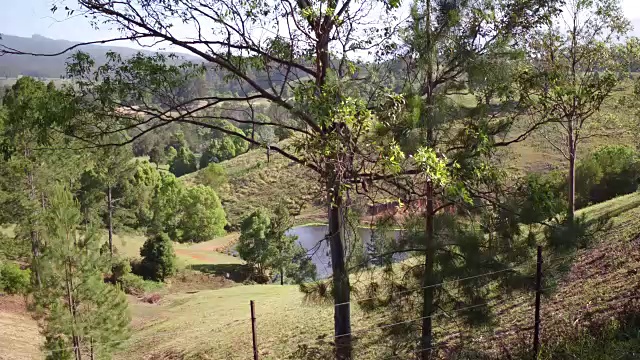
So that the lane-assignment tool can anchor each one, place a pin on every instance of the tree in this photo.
(166, 206)
(202, 216)
(30, 108)
(254, 244)
(138, 192)
(289, 256)
(574, 73)
(183, 163)
(265, 245)
(447, 49)
(114, 166)
(158, 257)
(219, 150)
(82, 312)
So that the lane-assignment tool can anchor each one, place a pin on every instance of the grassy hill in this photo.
(254, 182)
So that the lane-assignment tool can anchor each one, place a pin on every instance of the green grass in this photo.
(216, 323)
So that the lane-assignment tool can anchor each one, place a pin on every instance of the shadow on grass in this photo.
(235, 272)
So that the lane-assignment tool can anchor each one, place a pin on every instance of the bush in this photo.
(158, 258)
(119, 268)
(14, 280)
(610, 171)
(135, 285)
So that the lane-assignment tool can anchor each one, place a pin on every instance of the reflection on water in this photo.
(313, 238)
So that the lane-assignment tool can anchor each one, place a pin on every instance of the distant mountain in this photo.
(51, 66)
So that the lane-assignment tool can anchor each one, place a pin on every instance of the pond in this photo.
(313, 239)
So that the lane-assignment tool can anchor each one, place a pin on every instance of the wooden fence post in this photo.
(253, 330)
(536, 331)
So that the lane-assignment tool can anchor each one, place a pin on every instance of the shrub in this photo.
(610, 171)
(119, 268)
(135, 285)
(14, 280)
(158, 258)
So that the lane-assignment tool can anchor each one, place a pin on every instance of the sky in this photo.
(29, 17)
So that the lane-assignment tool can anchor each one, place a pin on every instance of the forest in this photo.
(429, 179)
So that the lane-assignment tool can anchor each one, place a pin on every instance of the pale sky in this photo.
(28, 17)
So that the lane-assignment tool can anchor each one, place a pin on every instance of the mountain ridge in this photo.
(12, 66)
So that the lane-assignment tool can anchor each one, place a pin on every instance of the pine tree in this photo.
(82, 312)
(27, 171)
(158, 257)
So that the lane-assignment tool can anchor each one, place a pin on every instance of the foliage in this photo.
(136, 285)
(610, 171)
(79, 307)
(223, 147)
(166, 205)
(203, 217)
(158, 258)
(541, 197)
(14, 280)
(183, 163)
(265, 245)
(254, 244)
(213, 175)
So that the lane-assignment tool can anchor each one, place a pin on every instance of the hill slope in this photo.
(254, 182)
(214, 324)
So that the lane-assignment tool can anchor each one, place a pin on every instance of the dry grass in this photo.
(20, 338)
(188, 254)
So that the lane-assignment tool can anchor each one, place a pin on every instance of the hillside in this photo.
(254, 182)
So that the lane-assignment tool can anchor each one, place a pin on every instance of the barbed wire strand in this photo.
(438, 284)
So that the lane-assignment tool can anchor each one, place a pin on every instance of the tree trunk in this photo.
(33, 233)
(571, 211)
(281, 276)
(428, 290)
(110, 219)
(341, 290)
(72, 311)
